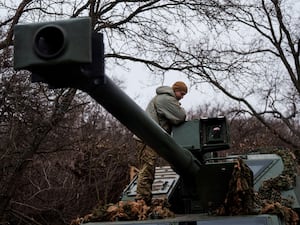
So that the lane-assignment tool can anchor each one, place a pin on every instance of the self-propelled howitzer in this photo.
(67, 54)
(56, 57)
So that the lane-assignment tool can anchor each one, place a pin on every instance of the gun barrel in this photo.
(121, 106)
(81, 66)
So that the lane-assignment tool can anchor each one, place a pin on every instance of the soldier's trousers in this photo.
(147, 160)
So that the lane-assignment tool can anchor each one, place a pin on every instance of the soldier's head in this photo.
(180, 89)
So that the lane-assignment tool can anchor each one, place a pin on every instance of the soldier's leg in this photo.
(146, 175)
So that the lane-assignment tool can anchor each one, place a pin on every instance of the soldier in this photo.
(165, 109)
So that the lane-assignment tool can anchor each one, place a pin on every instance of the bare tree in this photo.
(258, 64)
(25, 124)
(248, 50)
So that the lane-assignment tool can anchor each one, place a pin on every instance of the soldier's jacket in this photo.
(165, 109)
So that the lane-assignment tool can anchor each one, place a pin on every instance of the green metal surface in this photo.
(76, 37)
(187, 135)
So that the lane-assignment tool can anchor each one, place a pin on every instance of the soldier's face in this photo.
(179, 94)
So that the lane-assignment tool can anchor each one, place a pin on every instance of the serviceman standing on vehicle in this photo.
(165, 109)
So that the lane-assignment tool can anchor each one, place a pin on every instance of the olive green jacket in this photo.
(165, 109)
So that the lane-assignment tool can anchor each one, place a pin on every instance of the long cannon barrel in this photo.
(67, 54)
(115, 101)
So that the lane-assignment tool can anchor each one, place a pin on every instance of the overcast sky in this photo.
(140, 85)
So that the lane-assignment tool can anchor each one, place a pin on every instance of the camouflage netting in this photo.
(240, 199)
(129, 210)
(268, 199)
(270, 189)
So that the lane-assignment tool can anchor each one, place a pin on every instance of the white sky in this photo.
(140, 85)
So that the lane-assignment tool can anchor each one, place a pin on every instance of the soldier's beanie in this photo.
(180, 86)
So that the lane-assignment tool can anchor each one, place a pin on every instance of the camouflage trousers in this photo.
(147, 160)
